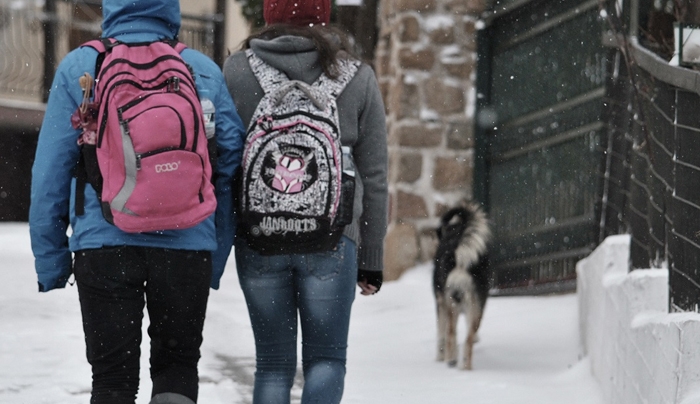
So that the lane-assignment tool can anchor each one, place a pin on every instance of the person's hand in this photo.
(369, 281)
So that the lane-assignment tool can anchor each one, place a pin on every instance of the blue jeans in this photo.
(320, 289)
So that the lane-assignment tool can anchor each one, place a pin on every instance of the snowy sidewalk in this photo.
(528, 353)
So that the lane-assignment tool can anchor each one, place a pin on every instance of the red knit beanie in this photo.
(297, 12)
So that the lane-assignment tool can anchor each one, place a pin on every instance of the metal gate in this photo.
(540, 90)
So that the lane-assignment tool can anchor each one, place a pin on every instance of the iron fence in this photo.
(653, 167)
(28, 29)
(589, 142)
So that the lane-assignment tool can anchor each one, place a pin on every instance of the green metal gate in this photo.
(540, 91)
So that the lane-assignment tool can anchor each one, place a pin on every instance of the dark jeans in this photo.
(112, 285)
(318, 288)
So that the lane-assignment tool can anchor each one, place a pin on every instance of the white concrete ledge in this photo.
(639, 352)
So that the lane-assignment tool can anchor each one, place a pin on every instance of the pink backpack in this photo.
(152, 169)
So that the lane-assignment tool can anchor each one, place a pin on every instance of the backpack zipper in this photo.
(103, 122)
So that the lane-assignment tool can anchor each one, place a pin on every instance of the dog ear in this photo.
(438, 231)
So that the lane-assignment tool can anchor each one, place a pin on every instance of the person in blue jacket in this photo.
(115, 271)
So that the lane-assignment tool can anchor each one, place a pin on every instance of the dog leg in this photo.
(468, 350)
(473, 322)
(441, 326)
(451, 337)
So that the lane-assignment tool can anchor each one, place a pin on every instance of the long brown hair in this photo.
(331, 43)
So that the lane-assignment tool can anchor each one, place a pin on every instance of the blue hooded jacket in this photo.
(52, 207)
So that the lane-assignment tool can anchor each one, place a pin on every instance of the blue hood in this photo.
(160, 17)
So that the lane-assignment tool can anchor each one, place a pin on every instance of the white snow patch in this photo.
(528, 352)
(436, 22)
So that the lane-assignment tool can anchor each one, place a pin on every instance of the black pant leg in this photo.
(111, 290)
(177, 291)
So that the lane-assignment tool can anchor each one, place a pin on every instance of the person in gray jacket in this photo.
(319, 287)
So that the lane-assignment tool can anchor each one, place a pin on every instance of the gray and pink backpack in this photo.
(147, 156)
(296, 186)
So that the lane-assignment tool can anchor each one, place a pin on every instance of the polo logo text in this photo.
(167, 167)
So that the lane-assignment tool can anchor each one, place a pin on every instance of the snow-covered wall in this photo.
(639, 352)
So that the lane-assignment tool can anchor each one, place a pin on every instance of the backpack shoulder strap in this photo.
(96, 44)
(102, 46)
(271, 78)
(179, 46)
(347, 68)
(268, 77)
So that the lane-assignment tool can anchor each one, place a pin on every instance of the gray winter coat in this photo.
(362, 126)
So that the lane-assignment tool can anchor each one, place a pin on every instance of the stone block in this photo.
(461, 70)
(428, 242)
(386, 10)
(440, 209)
(442, 98)
(442, 35)
(416, 5)
(473, 7)
(422, 59)
(469, 28)
(382, 64)
(409, 28)
(394, 156)
(384, 89)
(400, 250)
(419, 135)
(453, 173)
(460, 135)
(410, 206)
(404, 100)
(410, 167)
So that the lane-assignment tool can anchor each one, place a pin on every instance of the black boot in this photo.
(170, 398)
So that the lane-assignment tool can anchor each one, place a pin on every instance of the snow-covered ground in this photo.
(529, 350)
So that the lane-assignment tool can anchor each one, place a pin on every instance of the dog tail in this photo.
(474, 242)
(454, 222)
(459, 284)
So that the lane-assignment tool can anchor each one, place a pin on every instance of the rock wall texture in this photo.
(425, 62)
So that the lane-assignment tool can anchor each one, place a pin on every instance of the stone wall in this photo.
(425, 62)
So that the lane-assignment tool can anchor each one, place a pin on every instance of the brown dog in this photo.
(461, 279)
